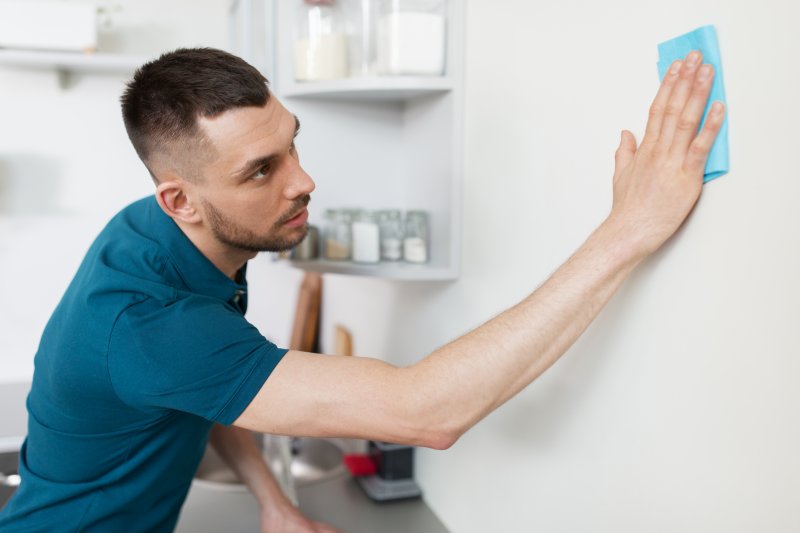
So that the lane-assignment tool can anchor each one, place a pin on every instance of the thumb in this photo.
(624, 154)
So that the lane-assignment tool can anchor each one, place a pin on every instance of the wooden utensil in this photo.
(342, 341)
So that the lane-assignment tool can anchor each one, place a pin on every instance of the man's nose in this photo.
(300, 183)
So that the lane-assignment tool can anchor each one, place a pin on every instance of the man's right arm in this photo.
(434, 401)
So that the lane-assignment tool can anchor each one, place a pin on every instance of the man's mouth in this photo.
(298, 220)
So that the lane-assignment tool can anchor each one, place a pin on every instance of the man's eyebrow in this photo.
(255, 164)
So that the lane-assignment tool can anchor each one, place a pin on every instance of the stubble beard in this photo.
(228, 232)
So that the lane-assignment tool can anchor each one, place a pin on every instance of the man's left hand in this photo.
(286, 518)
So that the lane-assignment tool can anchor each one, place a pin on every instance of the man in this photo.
(149, 346)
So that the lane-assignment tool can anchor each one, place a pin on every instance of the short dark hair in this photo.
(161, 104)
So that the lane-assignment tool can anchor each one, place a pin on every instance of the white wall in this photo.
(66, 166)
(678, 409)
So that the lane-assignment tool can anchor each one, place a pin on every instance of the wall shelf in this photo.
(389, 88)
(72, 61)
(395, 271)
(68, 63)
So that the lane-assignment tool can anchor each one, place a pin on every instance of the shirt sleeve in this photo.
(195, 355)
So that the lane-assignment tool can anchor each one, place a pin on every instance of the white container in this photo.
(322, 58)
(63, 26)
(411, 37)
(366, 239)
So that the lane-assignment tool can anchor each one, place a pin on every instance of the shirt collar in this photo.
(195, 270)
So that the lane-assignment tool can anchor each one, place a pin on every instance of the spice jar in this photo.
(321, 43)
(415, 243)
(391, 225)
(308, 248)
(411, 37)
(338, 237)
(366, 238)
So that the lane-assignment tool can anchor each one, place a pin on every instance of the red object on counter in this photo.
(360, 465)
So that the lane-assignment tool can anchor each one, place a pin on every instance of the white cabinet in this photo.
(377, 142)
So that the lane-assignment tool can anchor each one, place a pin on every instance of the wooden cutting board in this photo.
(305, 331)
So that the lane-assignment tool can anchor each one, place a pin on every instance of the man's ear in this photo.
(171, 195)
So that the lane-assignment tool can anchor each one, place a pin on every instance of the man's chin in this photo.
(288, 243)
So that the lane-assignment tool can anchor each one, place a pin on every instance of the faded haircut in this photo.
(165, 97)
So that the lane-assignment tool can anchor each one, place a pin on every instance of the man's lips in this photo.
(298, 220)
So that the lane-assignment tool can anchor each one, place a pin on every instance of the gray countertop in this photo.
(338, 501)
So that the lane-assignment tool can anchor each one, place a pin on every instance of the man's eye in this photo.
(261, 173)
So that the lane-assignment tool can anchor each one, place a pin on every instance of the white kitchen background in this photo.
(678, 410)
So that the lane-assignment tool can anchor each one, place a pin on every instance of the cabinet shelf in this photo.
(395, 271)
(381, 88)
(378, 142)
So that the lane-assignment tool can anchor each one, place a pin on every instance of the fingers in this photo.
(660, 102)
(692, 114)
(698, 151)
(321, 527)
(678, 98)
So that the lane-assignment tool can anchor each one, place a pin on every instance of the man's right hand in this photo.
(656, 185)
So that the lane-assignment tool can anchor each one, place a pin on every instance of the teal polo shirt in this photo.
(146, 350)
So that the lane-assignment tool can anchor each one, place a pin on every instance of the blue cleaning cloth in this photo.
(705, 40)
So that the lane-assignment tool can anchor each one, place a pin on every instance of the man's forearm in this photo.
(239, 451)
(278, 513)
(476, 373)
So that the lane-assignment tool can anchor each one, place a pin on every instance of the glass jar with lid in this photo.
(361, 17)
(338, 236)
(415, 243)
(410, 36)
(391, 225)
(321, 42)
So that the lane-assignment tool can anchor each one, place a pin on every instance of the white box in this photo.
(48, 25)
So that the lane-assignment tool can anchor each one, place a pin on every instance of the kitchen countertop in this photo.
(338, 501)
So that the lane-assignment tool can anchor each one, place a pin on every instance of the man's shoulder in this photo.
(127, 255)
(138, 215)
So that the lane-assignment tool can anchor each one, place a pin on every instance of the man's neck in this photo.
(229, 260)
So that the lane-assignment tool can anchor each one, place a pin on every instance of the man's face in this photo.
(254, 192)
